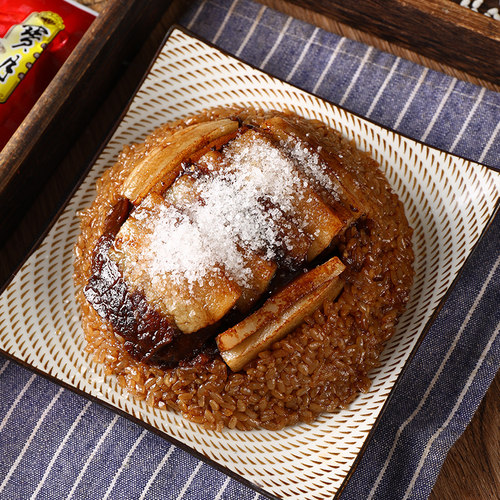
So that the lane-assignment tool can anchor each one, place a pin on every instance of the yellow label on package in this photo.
(22, 46)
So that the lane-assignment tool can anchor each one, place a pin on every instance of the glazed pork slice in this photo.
(292, 245)
(142, 253)
(148, 335)
(185, 193)
(305, 205)
(339, 188)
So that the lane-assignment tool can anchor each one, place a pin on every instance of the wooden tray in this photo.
(69, 102)
(439, 34)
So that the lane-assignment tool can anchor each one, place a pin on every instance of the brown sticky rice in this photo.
(320, 366)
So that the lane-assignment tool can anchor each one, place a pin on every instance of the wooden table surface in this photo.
(471, 469)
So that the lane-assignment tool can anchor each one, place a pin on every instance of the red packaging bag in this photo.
(36, 37)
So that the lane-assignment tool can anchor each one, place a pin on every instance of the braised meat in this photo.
(149, 335)
(205, 224)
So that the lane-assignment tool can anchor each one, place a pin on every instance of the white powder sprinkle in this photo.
(311, 164)
(238, 211)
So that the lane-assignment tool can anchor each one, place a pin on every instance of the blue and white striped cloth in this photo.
(55, 444)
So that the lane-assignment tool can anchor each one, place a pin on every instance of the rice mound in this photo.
(325, 362)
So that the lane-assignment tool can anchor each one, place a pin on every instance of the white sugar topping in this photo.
(311, 164)
(238, 211)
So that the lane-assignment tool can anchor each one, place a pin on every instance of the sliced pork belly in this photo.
(305, 205)
(145, 256)
(329, 176)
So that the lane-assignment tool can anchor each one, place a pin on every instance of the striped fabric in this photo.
(55, 444)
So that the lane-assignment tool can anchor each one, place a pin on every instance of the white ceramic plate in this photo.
(448, 201)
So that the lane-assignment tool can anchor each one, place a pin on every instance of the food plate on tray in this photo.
(448, 202)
